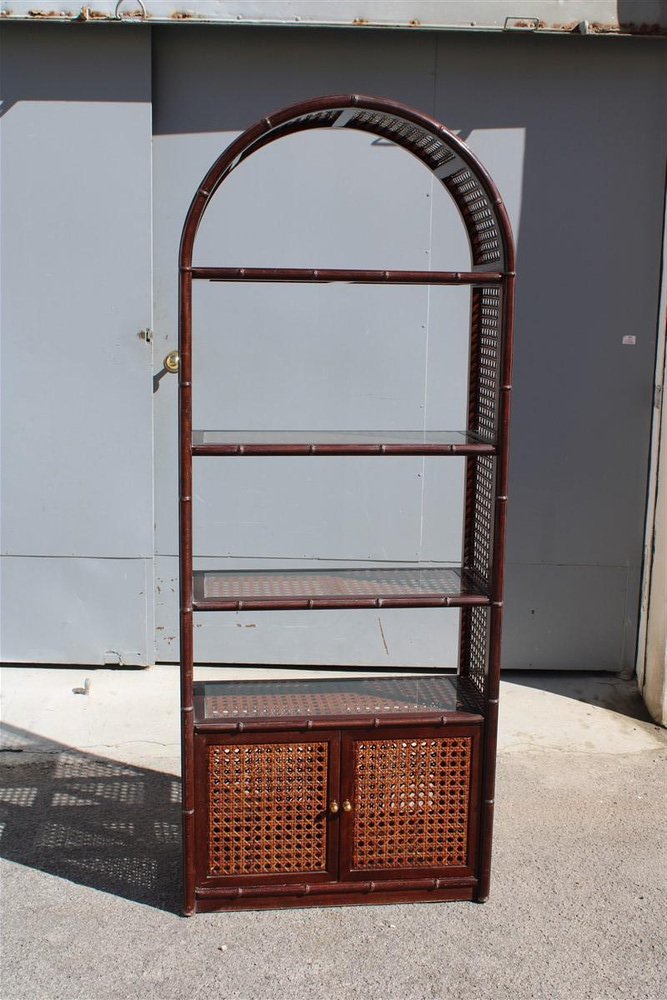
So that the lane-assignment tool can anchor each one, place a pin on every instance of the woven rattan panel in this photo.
(477, 628)
(485, 354)
(267, 808)
(411, 802)
(275, 699)
(336, 583)
(483, 510)
(425, 144)
(487, 381)
(478, 216)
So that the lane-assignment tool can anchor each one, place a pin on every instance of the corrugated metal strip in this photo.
(595, 17)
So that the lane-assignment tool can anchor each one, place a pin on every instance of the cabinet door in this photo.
(262, 812)
(409, 802)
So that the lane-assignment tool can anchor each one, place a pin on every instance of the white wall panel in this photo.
(76, 375)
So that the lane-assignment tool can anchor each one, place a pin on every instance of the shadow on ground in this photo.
(604, 690)
(97, 822)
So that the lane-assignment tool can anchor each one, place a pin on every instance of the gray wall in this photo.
(573, 132)
(77, 517)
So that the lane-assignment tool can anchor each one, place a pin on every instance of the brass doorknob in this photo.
(333, 807)
(172, 362)
(347, 806)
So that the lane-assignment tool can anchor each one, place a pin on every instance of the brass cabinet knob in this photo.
(333, 807)
(172, 362)
(347, 806)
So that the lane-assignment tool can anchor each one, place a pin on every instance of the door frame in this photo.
(347, 872)
(202, 743)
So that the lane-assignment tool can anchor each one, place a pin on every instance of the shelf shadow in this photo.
(96, 822)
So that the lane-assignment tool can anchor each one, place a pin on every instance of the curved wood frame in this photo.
(492, 249)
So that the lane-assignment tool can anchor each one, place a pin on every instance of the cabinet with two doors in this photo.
(318, 791)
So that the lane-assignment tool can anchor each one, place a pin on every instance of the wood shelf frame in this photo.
(491, 279)
(236, 444)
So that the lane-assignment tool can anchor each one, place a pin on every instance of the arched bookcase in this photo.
(324, 792)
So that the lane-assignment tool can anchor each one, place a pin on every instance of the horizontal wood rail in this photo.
(355, 276)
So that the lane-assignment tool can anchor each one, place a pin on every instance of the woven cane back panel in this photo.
(480, 554)
(320, 117)
(476, 642)
(489, 354)
(411, 802)
(485, 354)
(477, 214)
(480, 502)
(483, 419)
(267, 808)
(342, 697)
(410, 582)
(425, 144)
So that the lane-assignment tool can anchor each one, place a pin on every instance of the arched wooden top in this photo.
(447, 157)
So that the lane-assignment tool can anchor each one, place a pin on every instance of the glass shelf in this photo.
(332, 442)
(349, 697)
(402, 586)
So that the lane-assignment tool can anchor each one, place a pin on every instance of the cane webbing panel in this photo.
(411, 802)
(430, 146)
(483, 502)
(408, 586)
(477, 625)
(487, 322)
(267, 808)
(477, 214)
(324, 583)
(483, 419)
(349, 696)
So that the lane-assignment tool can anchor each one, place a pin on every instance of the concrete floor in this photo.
(91, 870)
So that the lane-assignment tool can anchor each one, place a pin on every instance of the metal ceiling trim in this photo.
(576, 17)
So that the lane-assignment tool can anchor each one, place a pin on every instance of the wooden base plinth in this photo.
(352, 896)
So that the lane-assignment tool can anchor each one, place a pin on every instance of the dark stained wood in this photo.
(378, 702)
(342, 449)
(386, 587)
(300, 725)
(313, 114)
(338, 884)
(486, 452)
(186, 586)
(328, 275)
(327, 604)
(349, 895)
(339, 888)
